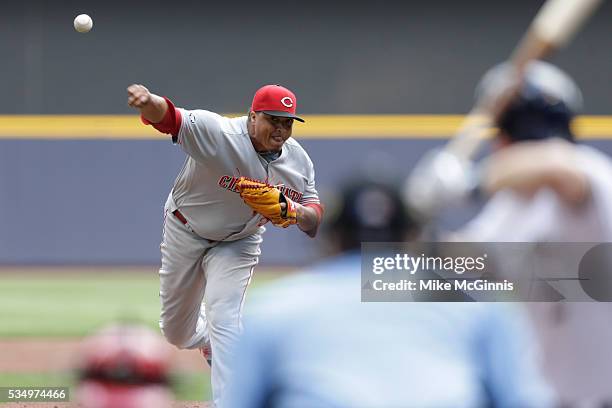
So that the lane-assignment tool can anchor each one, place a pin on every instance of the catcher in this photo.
(124, 365)
(211, 234)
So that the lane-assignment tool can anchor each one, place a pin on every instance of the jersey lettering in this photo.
(229, 183)
(224, 180)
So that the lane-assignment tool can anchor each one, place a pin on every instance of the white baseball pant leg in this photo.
(195, 272)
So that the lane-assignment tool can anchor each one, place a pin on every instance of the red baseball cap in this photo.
(275, 100)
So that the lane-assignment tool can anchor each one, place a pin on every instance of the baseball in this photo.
(83, 23)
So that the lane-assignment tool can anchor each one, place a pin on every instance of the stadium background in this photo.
(82, 183)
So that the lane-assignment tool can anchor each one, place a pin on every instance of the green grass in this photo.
(192, 386)
(36, 379)
(71, 305)
(68, 306)
(186, 386)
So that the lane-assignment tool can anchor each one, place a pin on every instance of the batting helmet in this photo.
(545, 105)
(124, 366)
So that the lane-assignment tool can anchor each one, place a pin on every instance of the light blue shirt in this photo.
(309, 341)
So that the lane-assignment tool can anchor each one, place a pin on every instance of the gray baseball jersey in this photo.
(219, 152)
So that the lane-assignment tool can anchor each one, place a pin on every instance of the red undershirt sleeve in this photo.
(170, 124)
(318, 208)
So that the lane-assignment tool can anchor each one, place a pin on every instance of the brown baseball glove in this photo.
(266, 200)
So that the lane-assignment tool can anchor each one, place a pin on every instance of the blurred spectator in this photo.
(311, 342)
(124, 366)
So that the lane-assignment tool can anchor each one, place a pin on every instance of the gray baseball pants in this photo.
(196, 272)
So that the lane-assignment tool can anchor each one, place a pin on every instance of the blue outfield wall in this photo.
(101, 202)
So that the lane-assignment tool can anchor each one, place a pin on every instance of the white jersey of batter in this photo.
(575, 337)
(219, 151)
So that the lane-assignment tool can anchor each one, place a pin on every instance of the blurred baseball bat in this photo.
(554, 26)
